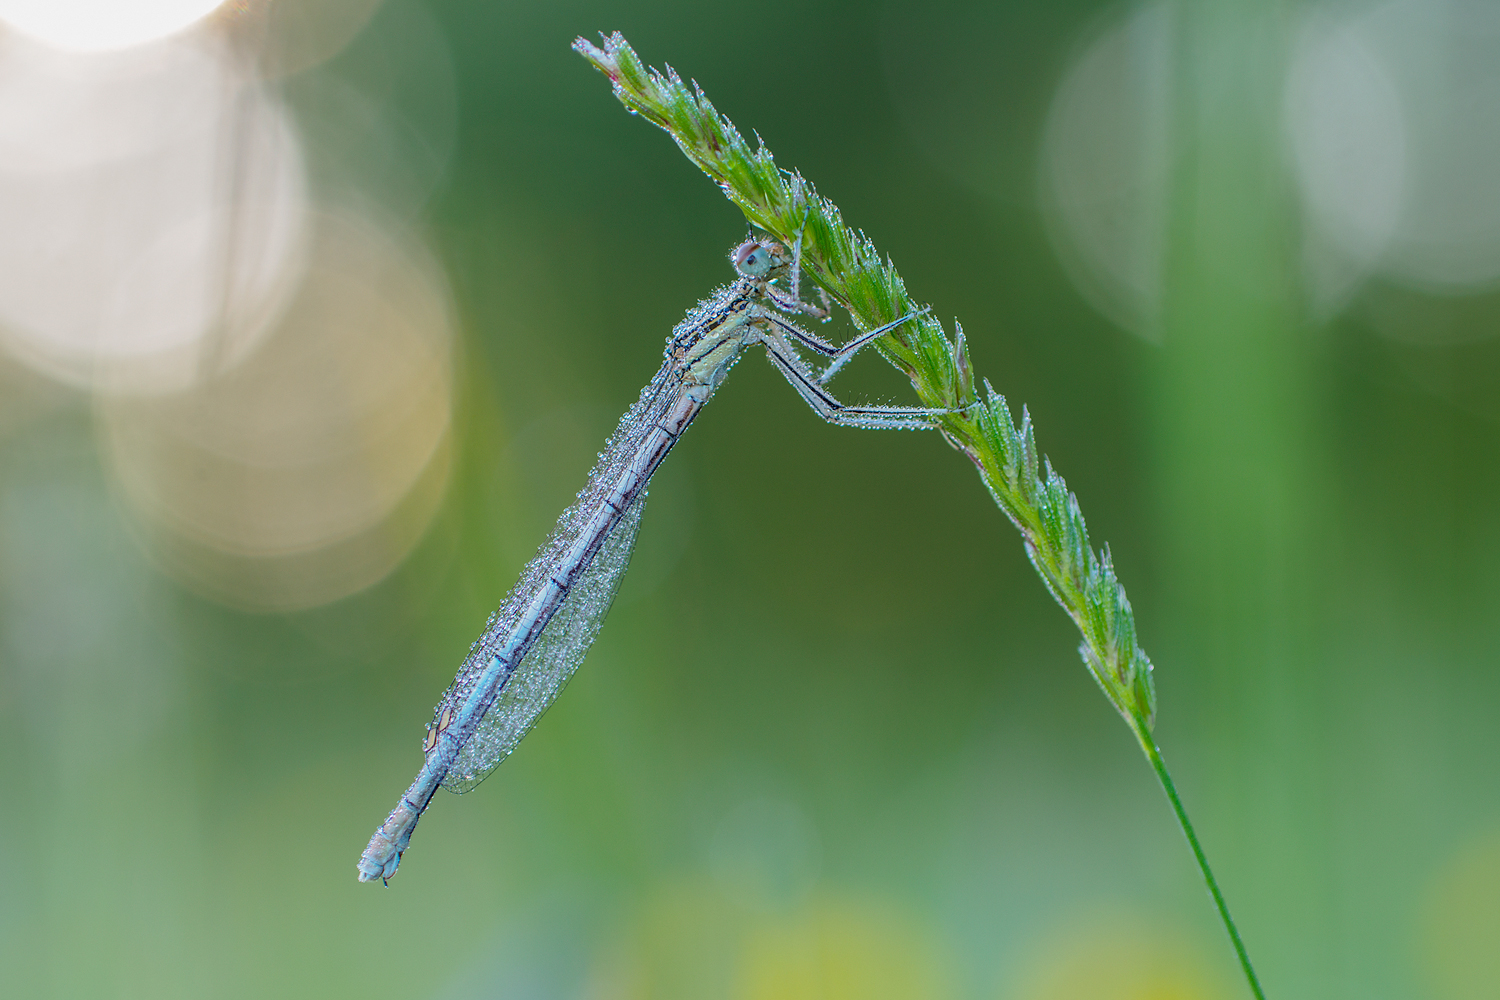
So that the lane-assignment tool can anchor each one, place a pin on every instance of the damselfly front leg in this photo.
(822, 315)
(791, 300)
(837, 355)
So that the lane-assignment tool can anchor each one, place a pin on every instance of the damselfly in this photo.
(538, 637)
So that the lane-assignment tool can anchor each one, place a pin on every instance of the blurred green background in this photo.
(300, 357)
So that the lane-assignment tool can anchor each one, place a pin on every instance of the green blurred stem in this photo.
(1153, 753)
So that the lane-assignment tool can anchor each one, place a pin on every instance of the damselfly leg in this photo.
(838, 355)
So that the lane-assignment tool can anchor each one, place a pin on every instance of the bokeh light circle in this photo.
(308, 471)
(1347, 136)
(287, 37)
(1394, 119)
(101, 25)
(1105, 164)
(1441, 56)
(153, 206)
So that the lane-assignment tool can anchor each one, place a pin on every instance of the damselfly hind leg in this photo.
(827, 406)
(791, 300)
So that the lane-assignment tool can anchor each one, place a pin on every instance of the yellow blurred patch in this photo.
(1459, 923)
(841, 949)
(1115, 956)
(691, 941)
(680, 943)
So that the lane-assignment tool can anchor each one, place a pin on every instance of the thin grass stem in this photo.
(1153, 753)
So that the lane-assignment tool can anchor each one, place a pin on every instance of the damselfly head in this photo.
(756, 258)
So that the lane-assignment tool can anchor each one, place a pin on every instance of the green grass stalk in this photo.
(1023, 484)
(1153, 753)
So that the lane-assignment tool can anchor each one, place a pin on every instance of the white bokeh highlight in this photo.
(1105, 164)
(1441, 59)
(102, 25)
(153, 204)
(1347, 139)
(308, 471)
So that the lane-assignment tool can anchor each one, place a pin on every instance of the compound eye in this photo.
(752, 259)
